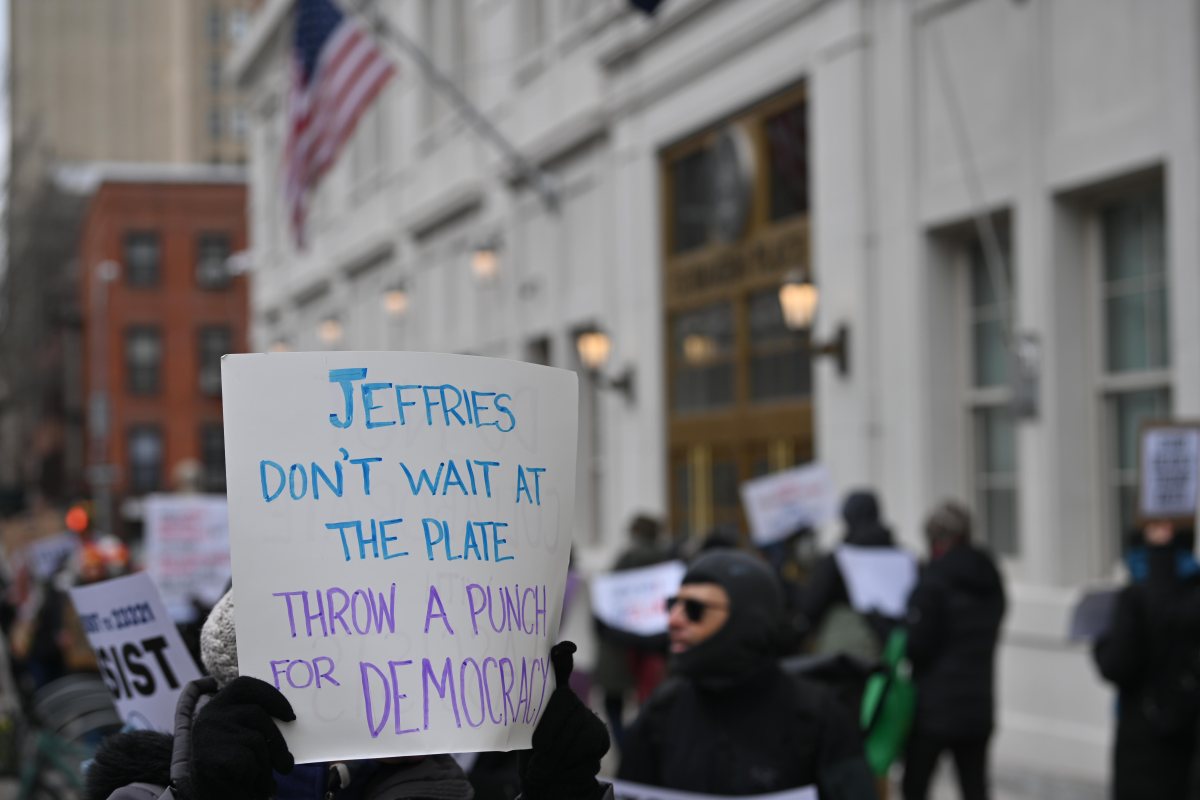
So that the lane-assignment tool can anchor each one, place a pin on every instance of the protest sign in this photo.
(187, 549)
(47, 555)
(634, 600)
(624, 790)
(1169, 471)
(143, 661)
(877, 578)
(780, 504)
(400, 525)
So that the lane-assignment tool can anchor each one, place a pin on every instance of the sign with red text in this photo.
(400, 526)
(780, 504)
(187, 550)
(141, 656)
(635, 600)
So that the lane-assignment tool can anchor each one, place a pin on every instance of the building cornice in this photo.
(83, 177)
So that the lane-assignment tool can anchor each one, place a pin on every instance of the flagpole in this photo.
(542, 182)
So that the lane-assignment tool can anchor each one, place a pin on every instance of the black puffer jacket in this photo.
(954, 617)
(1151, 653)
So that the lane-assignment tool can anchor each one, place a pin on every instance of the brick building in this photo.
(161, 302)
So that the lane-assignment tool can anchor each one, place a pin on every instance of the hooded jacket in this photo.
(954, 617)
(729, 721)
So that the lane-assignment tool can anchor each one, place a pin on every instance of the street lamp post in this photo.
(100, 473)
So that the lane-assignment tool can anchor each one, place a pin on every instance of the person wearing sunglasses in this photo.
(729, 720)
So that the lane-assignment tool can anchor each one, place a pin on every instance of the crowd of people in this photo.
(758, 685)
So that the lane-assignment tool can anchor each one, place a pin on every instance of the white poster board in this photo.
(49, 554)
(778, 505)
(187, 549)
(635, 600)
(400, 526)
(624, 790)
(142, 659)
(1169, 474)
(877, 578)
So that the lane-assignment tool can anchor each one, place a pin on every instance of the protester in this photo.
(626, 662)
(953, 626)
(227, 747)
(825, 605)
(1151, 653)
(729, 720)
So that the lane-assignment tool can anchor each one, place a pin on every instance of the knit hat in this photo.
(218, 642)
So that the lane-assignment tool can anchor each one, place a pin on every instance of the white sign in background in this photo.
(634, 600)
(1170, 468)
(624, 790)
(142, 659)
(779, 504)
(400, 525)
(187, 549)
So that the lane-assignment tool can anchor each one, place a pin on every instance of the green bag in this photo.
(888, 704)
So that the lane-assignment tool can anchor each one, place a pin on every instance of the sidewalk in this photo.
(1012, 784)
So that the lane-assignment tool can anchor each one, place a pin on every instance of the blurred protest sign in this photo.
(877, 578)
(142, 659)
(778, 505)
(400, 526)
(635, 600)
(1168, 471)
(47, 555)
(187, 549)
(624, 790)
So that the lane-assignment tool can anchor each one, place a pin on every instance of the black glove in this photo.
(568, 742)
(235, 744)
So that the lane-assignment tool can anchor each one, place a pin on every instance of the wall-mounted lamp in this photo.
(485, 260)
(395, 301)
(798, 299)
(594, 347)
(330, 331)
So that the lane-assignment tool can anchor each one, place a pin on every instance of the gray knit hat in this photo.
(218, 642)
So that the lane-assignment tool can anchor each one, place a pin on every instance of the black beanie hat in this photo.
(860, 508)
(752, 635)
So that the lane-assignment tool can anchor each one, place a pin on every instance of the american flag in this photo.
(336, 72)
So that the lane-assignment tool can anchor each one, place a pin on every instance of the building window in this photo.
(691, 202)
(787, 157)
(703, 358)
(237, 124)
(215, 78)
(214, 123)
(143, 359)
(214, 25)
(212, 255)
(145, 458)
(239, 23)
(994, 434)
(779, 364)
(1136, 359)
(214, 341)
(142, 258)
(212, 456)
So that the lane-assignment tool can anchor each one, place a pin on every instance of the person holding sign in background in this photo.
(729, 721)
(1151, 654)
(228, 747)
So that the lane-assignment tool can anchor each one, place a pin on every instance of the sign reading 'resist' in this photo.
(400, 526)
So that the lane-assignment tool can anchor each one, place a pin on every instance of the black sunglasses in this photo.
(693, 609)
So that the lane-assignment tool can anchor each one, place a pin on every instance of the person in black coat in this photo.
(1151, 653)
(729, 721)
(954, 617)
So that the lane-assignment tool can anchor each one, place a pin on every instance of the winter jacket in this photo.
(769, 733)
(1151, 653)
(954, 617)
(826, 589)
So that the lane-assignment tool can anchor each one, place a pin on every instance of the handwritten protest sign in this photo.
(635, 600)
(187, 549)
(143, 661)
(778, 505)
(46, 556)
(1169, 471)
(624, 790)
(400, 525)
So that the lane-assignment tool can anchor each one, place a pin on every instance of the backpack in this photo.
(844, 630)
(889, 702)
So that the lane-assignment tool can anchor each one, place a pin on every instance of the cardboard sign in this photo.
(624, 790)
(400, 526)
(1169, 471)
(142, 660)
(635, 600)
(778, 505)
(187, 549)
